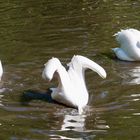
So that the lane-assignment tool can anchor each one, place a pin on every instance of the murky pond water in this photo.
(31, 32)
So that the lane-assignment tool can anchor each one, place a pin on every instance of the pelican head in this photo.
(129, 41)
(71, 89)
(50, 67)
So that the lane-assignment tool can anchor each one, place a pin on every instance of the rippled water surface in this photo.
(31, 32)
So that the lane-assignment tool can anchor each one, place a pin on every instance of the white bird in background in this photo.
(129, 41)
(1, 70)
(71, 89)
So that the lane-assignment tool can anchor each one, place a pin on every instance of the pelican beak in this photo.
(104, 74)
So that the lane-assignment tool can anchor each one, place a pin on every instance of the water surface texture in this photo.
(31, 32)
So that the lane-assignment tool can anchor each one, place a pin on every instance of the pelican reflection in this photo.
(133, 76)
(73, 122)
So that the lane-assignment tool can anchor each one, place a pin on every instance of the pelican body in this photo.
(71, 89)
(129, 41)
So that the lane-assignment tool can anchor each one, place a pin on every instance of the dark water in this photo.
(31, 32)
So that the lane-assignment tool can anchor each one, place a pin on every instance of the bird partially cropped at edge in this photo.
(71, 89)
(129, 41)
(1, 70)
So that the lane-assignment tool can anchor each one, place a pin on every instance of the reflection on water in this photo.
(0, 100)
(132, 76)
(75, 123)
(74, 126)
(2, 90)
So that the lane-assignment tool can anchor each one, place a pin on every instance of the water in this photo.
(34, 31)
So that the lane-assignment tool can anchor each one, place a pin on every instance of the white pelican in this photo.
(1, 70)
(129, 41)
(71, 89)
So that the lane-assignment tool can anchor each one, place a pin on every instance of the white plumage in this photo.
(129, 41)
(71, 89)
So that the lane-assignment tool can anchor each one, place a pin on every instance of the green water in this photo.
(31, 32)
